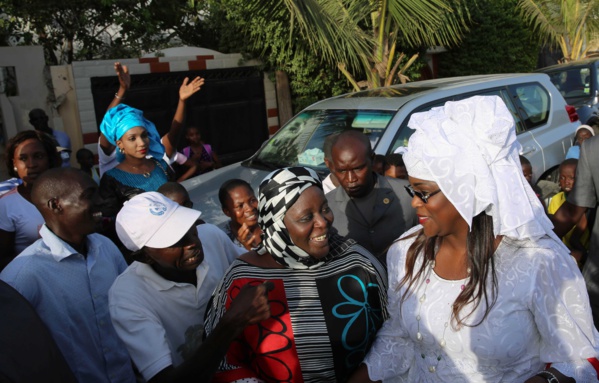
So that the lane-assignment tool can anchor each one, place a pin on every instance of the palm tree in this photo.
(362, 37)
(573, 25)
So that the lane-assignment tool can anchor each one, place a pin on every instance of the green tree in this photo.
(572, 25)
(229, 29)
(57, 25)
(89, 29)
(498, 42)
(363, 38)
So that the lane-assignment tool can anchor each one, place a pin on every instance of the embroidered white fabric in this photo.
(469, 149)
(542, 315)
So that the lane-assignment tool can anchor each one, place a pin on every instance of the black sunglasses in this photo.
(423, 196)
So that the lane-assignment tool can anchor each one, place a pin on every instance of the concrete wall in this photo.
(67, 106)
(32, 79)
(33, 92)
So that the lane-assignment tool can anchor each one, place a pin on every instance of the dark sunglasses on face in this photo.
(424, 196)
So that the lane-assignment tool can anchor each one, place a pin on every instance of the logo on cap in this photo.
(157, 208)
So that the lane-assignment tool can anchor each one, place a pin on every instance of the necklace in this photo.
(419, 337)
(148, 174)
(136, 168)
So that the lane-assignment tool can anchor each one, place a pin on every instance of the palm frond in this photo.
(569, 24)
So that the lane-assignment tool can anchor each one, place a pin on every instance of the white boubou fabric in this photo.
(469, 149)
(541, 316)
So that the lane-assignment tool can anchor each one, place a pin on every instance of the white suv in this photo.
(544, 123)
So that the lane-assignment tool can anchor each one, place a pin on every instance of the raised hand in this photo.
(123, 74)
(245, 236)
(188, 88)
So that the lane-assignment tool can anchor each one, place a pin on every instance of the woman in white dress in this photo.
(481, 290)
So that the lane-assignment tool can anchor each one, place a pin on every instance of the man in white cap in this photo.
(157, 305)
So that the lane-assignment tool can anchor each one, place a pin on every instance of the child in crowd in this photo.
(527, 171)
(394, 166)
(85, 159)
(583, 133)
(576, 239)
(201, 153)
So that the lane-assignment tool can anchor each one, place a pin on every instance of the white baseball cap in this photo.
(151, 219)
(587, 127)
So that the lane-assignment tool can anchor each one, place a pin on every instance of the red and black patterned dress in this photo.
(323, 320)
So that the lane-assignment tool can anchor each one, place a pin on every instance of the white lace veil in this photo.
(469, 149)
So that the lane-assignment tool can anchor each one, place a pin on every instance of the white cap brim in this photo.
(171, 230)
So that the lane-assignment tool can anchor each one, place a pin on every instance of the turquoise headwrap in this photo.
(118, 120)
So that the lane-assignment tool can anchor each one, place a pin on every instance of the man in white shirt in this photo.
(157, 305)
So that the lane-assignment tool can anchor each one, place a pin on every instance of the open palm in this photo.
(188, 88)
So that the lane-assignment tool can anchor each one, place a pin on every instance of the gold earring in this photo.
(15, 169)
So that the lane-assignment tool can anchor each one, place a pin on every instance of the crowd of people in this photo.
(438, 263)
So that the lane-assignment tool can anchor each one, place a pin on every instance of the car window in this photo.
(532, 100)
(573, 83)
(403, 135)
(301, 141)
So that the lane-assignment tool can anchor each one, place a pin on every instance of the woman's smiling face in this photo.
(309, 221)
(242, 206)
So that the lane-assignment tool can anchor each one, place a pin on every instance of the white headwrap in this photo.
(469, 149)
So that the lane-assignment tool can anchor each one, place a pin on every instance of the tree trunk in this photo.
(283, 97)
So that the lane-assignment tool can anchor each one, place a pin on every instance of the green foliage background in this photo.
(231, 28)
(498, 42)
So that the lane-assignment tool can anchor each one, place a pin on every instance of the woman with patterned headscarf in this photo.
(482, 290)
(141, 165)
(329, 296)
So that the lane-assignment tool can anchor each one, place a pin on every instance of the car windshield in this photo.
(573, 83)
(300, 142)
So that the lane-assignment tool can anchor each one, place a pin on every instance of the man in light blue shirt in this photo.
(66, 276)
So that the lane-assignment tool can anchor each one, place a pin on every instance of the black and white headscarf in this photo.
(277, 193)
